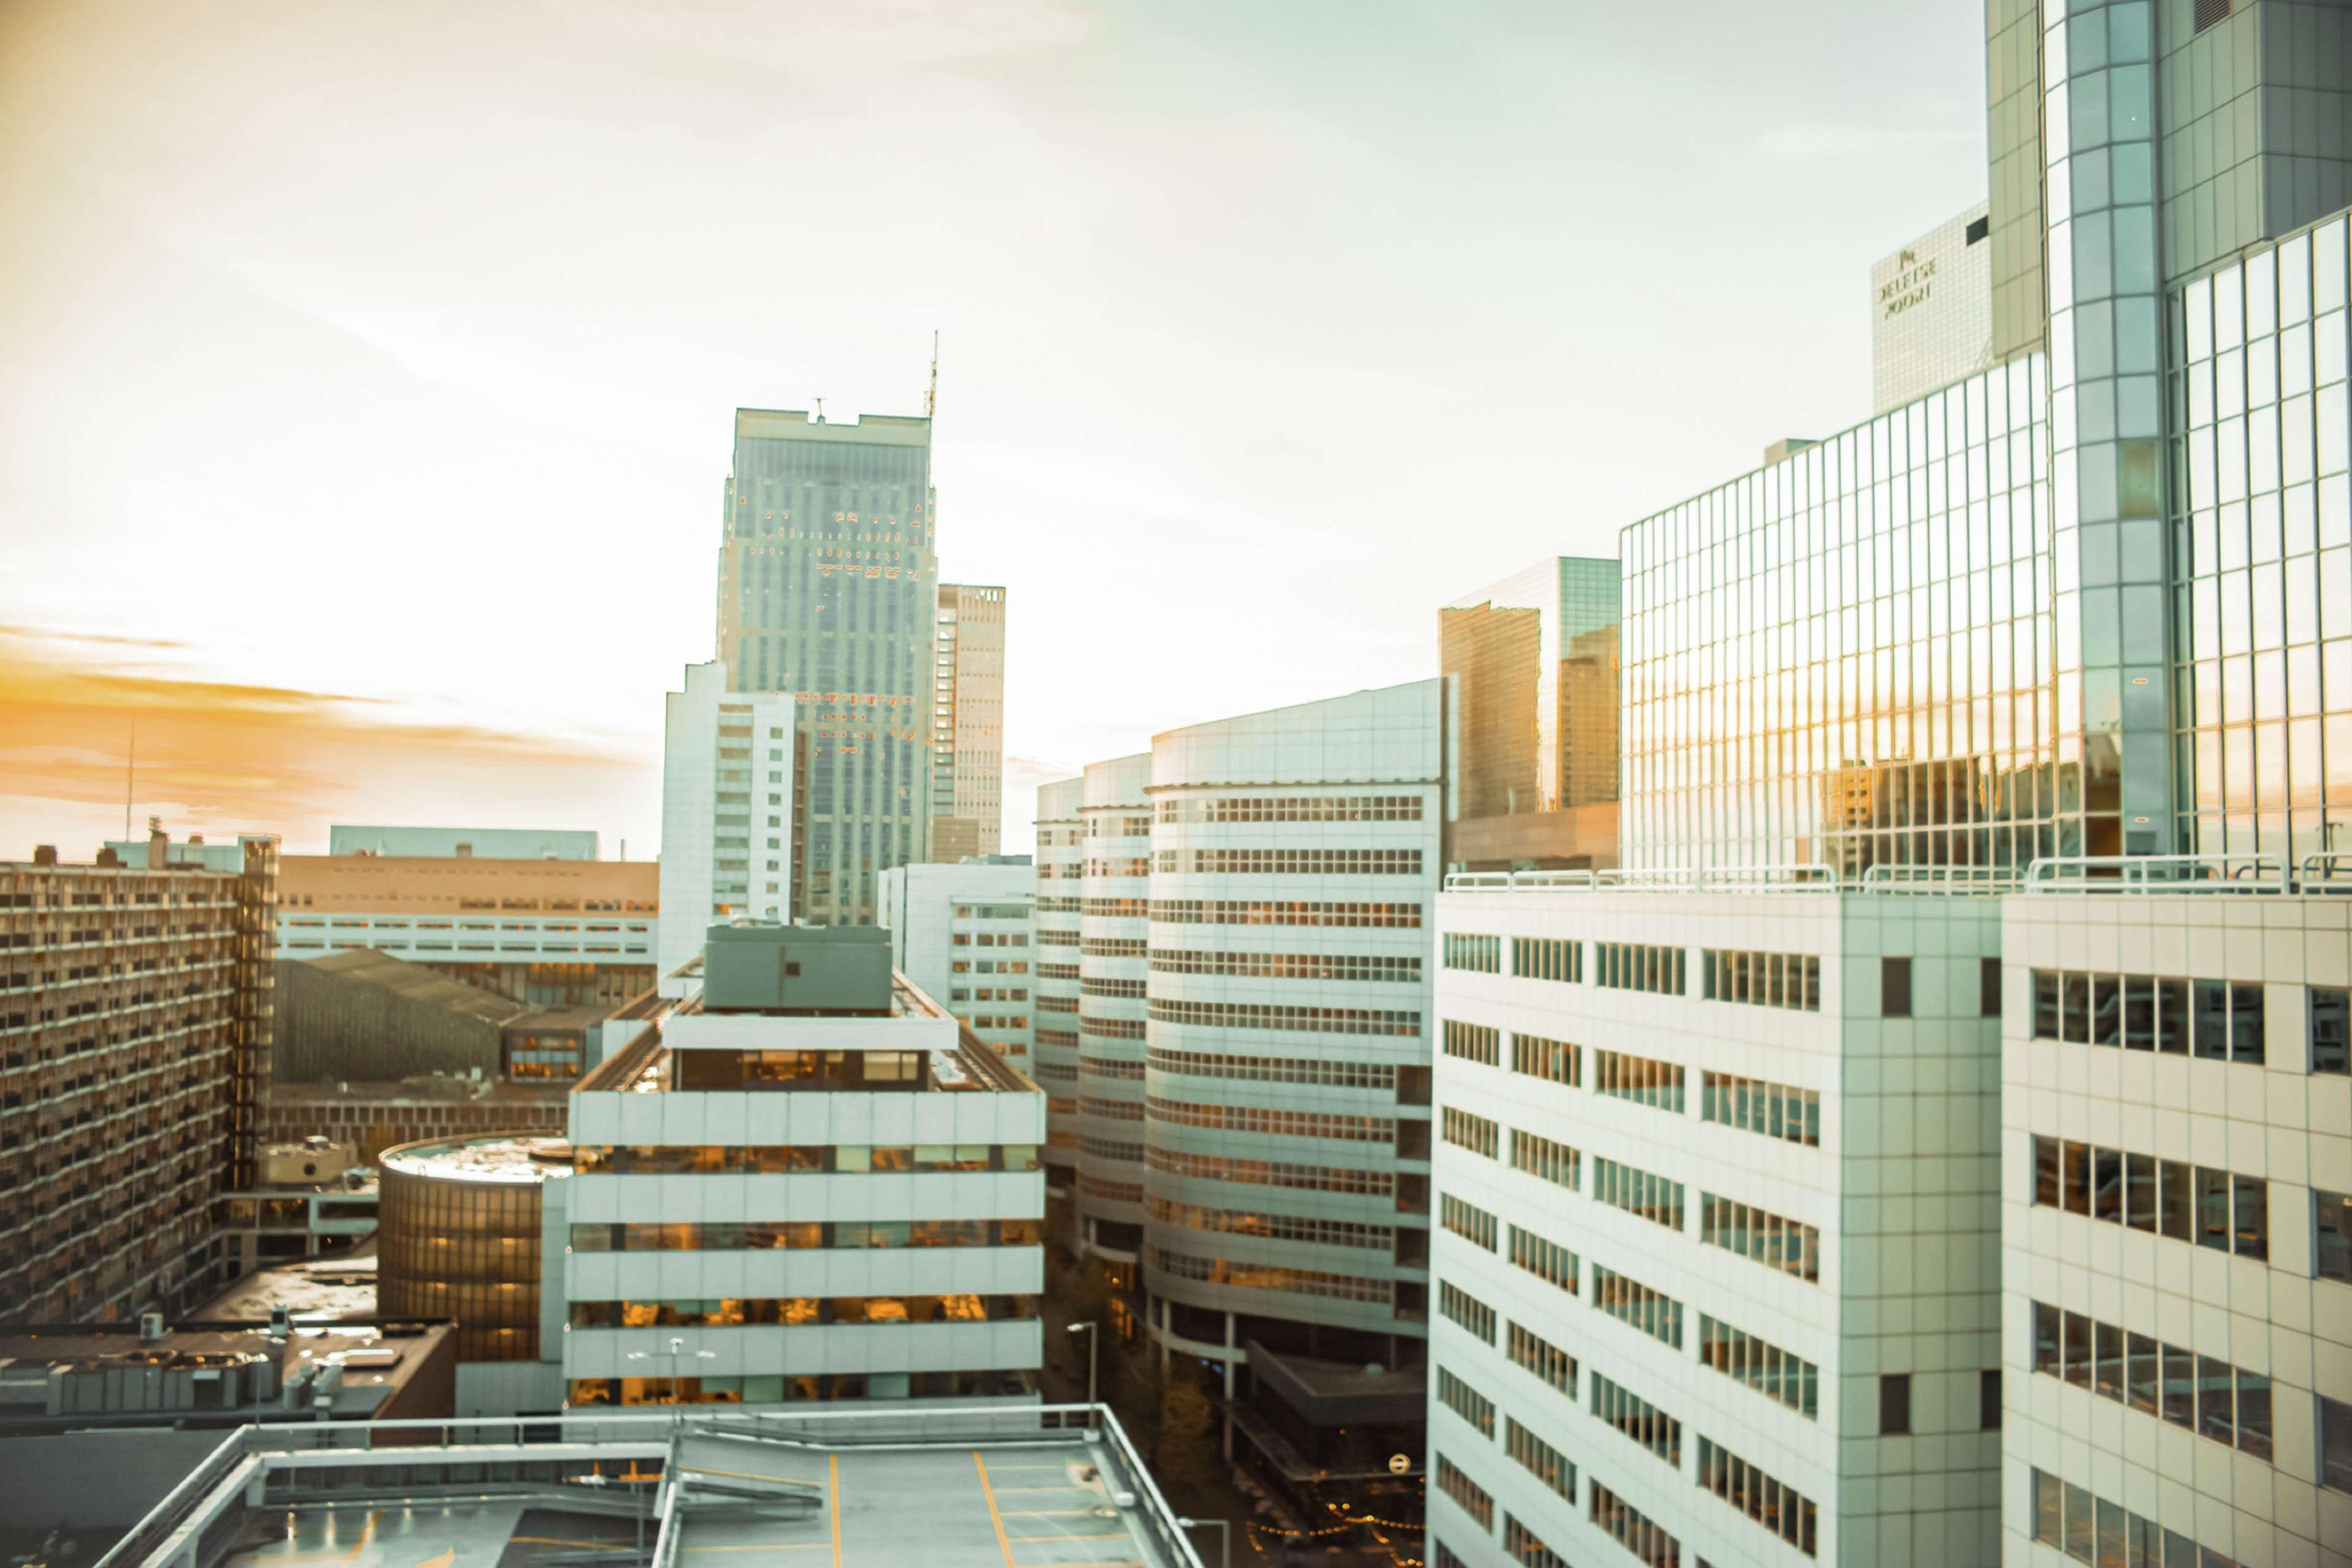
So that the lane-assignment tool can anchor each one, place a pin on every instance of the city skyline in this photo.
(383, 320)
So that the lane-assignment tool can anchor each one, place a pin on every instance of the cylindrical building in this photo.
(1118, 900)
(1061, 868)
(1296, 855)
(457, 1234)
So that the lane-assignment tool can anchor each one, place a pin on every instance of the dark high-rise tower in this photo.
(827, 583)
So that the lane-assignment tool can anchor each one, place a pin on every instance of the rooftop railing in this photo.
(1794, 877)
(2326, 871)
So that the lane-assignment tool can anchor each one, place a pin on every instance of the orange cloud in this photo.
(221, 756)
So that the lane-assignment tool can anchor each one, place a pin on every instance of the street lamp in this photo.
(1225, 1529)
(1093, 1343)
(676, 1352)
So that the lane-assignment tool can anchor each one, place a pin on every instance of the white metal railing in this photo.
(2250, 873)
(1806, 877)
(1887, 878)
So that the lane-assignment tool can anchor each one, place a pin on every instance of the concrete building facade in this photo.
(966, 935)
(1113, 971)
(1061, 873)
(135, 1036)
(729, 831)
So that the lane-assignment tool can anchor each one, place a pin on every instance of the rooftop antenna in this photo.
(130, 773)
(932, 398)
(820, 409)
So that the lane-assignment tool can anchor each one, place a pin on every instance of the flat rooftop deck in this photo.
(989, 1506)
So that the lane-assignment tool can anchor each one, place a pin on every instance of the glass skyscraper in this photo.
(828, 577)
(1535, 658)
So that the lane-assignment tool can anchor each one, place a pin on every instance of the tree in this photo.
(1186, 1450)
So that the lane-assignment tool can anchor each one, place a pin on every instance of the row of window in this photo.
(1790, 1246)
(1556, 1061)
(1338, 1125)
(1540, 1458)
(732, 1312)
(1107, 1067)
(1465, 1402)
(1539, 1157)
(1112, 946)
(1645, 1080)
(1270, 1173)
(799, 1235)
(1293, 808)
(1459, 1307)
(1111, 1110)
(1479, 954)
(1107, 1028)
(1271, 1276)
(2226, 1212)
(1131, 989)
(1296, 1019)
(1467, 1494)
(1634, 1529)
(1547, 1260)
(1778, 1508)
(1779, 1375)
(1274, 912)
(1480, 1043)
(1476, 1133)
(1471, 1223)
(2219, 1020)
(2196, 1393)
(1655, 1431)
(1300, 862)
(2091, 1529)
(1790, 980)
(1637, 1192)
(1639, 966)
(1637, 1306)
(1276, 1070)
(1554, 958)
(675, 1159)
(1774, 1110)
(1341, 967)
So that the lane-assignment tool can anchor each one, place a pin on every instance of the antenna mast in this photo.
(130, 773)
(932, 398)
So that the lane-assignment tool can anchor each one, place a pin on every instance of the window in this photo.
(1481, 1043)
(1467, 1493)
(1641, 1079)
(1552, 1365)
(1791, 980)
(1638, 1192)
(2335, 1444)
(1787, 1245)
(2090, 1530)
(2331, 1029)
(1768, 1370)
(1475, 1133)
(1468, 1221)
(2219, 1209)
(1547, 958)
(1776, 1505)
(1554, 1062)
(1774, 1110)
(1539, 1157)
(1988, 1399)
(1481, 954)
(2216, 1019)
(1894, 987)
(2228, 1405)
(1547, 1260)
(1630, 1302)
(1542, 1460)
(1459, 1306)
(1894, 1405)
(1636, 966)
(2334, 1254)
(1465, 1402)
(1657, 1431)
(1988, 987)
(1632, 1529)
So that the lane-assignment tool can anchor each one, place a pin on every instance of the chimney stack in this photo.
(44, 854)
(158, 845)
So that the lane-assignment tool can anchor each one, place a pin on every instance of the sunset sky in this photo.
(366, 371)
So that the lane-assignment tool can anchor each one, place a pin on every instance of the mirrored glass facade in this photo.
(2262, 547)
(1847, 657)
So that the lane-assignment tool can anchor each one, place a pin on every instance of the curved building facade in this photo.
(458, 1232)
(1295, 858)
(1060, 869)
(1113, 925)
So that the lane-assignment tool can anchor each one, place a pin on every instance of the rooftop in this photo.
(524, 1162)
(316, 1290)
(950, 1487)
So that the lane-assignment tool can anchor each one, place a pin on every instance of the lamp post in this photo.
(1225, 1529)
(676, 1352)
(1094, 1343)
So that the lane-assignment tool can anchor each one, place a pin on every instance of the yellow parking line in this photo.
(995, 1517)
(833, 1474)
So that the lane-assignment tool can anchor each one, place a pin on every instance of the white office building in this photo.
(1717, 1249)
(1113, 925)
(1061, 871)
(966, 935)
(2176, 1235)
(808, 1182)
(727, 808)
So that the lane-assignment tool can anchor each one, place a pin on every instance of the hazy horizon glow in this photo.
(371, 371)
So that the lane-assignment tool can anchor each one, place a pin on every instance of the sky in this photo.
(366, 372)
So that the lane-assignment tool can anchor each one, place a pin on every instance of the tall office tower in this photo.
(968, 723)
(1295, 855)
(1536, 658)
(2175, 1164)
(827, 583)
(1931, 311)
(967, 936)
(807, 1182)
(729, 829)
(1114, 933)
(1719, 1224)
(135, 1023)
(1061, 871)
